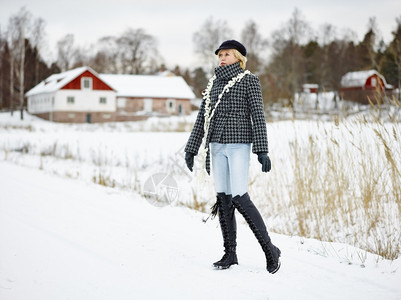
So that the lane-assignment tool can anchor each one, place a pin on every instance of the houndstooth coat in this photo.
(238, 118)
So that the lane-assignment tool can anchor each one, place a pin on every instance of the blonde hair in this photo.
(242, 59)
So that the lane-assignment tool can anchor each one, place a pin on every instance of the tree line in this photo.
(293, 55)
(296, 54)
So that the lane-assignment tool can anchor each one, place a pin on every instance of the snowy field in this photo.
(65, 239)
(76, 221)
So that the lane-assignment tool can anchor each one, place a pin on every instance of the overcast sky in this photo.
(173, 22)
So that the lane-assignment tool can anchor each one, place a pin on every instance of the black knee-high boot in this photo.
(252, 216)
(225, 210)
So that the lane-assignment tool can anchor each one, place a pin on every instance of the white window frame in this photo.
(102, 100)
(89, 80)
(373, 81)
(70, 100)
(171, 105)
(148, 105)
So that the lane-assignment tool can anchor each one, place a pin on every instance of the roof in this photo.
(57, 81)
(125, 85)
(357, 79)
(149, 86)
(310, 86)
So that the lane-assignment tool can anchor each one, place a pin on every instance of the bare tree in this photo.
(11, 41)
(106, 59)
(134, 52)
(19, 25)
(37, 41)
(137, 48)
(211, 34)
(66, 52)
(288, 61)
(82, 57)
(256, 46)
(327, 36)
(2, 55)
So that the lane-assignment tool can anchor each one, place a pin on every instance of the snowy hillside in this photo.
(64, 239)
(76, 220)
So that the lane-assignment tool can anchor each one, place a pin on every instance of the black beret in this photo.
(232, 44)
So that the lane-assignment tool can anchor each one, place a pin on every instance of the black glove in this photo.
(264, 159)
(189, 160)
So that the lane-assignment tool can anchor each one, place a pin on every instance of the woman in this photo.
(230, 119)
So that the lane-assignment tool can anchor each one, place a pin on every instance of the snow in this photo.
(64, 237)
(149, 86)
(323, 102)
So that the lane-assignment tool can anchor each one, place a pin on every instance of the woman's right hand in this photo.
(189, 160)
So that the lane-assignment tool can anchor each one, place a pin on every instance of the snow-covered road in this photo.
(64, 239)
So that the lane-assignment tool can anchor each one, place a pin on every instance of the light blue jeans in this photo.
(230, 165)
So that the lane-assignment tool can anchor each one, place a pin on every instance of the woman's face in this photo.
(226, 57)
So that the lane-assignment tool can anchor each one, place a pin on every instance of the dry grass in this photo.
(339, 183)
(343, 184)
(196, 203)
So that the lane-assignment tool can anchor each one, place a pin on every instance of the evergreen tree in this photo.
(199, 81)
(390, 64)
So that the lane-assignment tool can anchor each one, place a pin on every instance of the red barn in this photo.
(310, 88)
(364, 85)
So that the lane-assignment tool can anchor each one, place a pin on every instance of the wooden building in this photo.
(75, 96)
(82, 95)
(364, 85)
(141, 96)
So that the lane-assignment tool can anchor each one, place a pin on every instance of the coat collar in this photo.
(228, 71)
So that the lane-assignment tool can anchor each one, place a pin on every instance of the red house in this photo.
(310, 88)
(364, 85)
(82, 95)
(77, 96)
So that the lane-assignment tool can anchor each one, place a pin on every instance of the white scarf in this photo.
(208, 116)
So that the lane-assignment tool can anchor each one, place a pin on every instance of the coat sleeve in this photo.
(259, 132)
(195, 139)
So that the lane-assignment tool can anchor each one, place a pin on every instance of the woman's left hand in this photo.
(264, 159)
(189, 160)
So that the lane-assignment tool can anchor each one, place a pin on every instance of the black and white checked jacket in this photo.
(238, 118)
